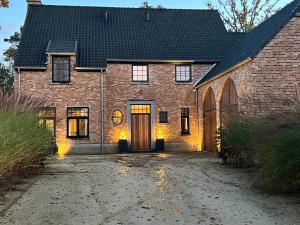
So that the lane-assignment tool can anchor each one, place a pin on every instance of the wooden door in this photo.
(229, 102)
(140, 132)
(209, 122)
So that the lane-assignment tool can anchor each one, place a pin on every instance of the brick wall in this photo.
(84, 90)
(271, 81)
(162, 88)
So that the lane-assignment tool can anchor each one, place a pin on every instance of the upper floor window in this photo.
(140, 73)
(78, 122)
(183, 73)
(185, 120)
(61, 69)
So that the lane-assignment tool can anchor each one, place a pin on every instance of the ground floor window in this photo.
(47, 118)
(163, 117)
(185, 120)
(78, 122)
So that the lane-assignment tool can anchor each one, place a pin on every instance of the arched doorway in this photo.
(209, 121)
(229, 102)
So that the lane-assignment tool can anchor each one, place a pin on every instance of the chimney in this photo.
(34, 2)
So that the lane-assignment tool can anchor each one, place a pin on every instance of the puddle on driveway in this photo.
(161, 182)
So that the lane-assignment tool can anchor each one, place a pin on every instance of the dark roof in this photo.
(251, 44)
(61, 46)
(169, 34)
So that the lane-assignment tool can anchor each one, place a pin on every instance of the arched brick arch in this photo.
(209, 121)
(228, 102)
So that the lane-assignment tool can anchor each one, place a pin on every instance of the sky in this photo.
(12, 18)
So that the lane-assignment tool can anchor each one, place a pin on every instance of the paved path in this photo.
(144, 189)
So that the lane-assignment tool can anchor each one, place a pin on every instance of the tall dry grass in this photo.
(23, 142)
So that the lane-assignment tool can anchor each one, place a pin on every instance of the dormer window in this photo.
(61, 69)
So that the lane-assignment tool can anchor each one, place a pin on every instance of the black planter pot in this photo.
(123, 146)
(160, 145)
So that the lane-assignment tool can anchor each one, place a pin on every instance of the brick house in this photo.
(109, 74)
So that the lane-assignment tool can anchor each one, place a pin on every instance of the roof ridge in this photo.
(119, 7)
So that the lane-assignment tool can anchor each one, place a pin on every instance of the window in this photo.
(183, 73)
(163, 117)
(140, 73)
(61, 69)
(47, 118)
(185, 120)
(78, 122)
(117, 117)
(140, 109)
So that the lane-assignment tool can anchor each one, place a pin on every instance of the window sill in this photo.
(140, 83)
(79, 138)
(60, 83)
(184, 83)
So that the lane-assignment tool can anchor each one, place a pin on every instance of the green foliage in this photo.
(235, 140)
(279, 160)
(6, 79)
(22, 139)
(271, 143)
(10, 53)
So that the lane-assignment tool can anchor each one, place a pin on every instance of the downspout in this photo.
(102, 110)
(197, 114)
(19, 83)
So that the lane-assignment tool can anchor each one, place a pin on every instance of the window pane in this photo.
(140, 109)
(61, 69)
(72, 132)
(140, 73)
(183, 73)
(78, 112)
(163, 117)
(50, 125)
(83, 127)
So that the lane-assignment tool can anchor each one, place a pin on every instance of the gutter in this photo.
(225, 72)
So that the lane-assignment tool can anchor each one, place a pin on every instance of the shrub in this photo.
(271, 143)
(235, 140)
(278, 169)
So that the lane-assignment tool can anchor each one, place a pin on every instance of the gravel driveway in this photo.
(142, 189)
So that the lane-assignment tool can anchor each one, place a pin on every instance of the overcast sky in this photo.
(12, 18)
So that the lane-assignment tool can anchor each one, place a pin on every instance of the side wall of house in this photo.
(276, 70)
(271, 81)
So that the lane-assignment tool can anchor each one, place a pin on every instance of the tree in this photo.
(6, 79)
(243, 15)
(6, 68)
(4, 3)
(10, 53)
(146, 5)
